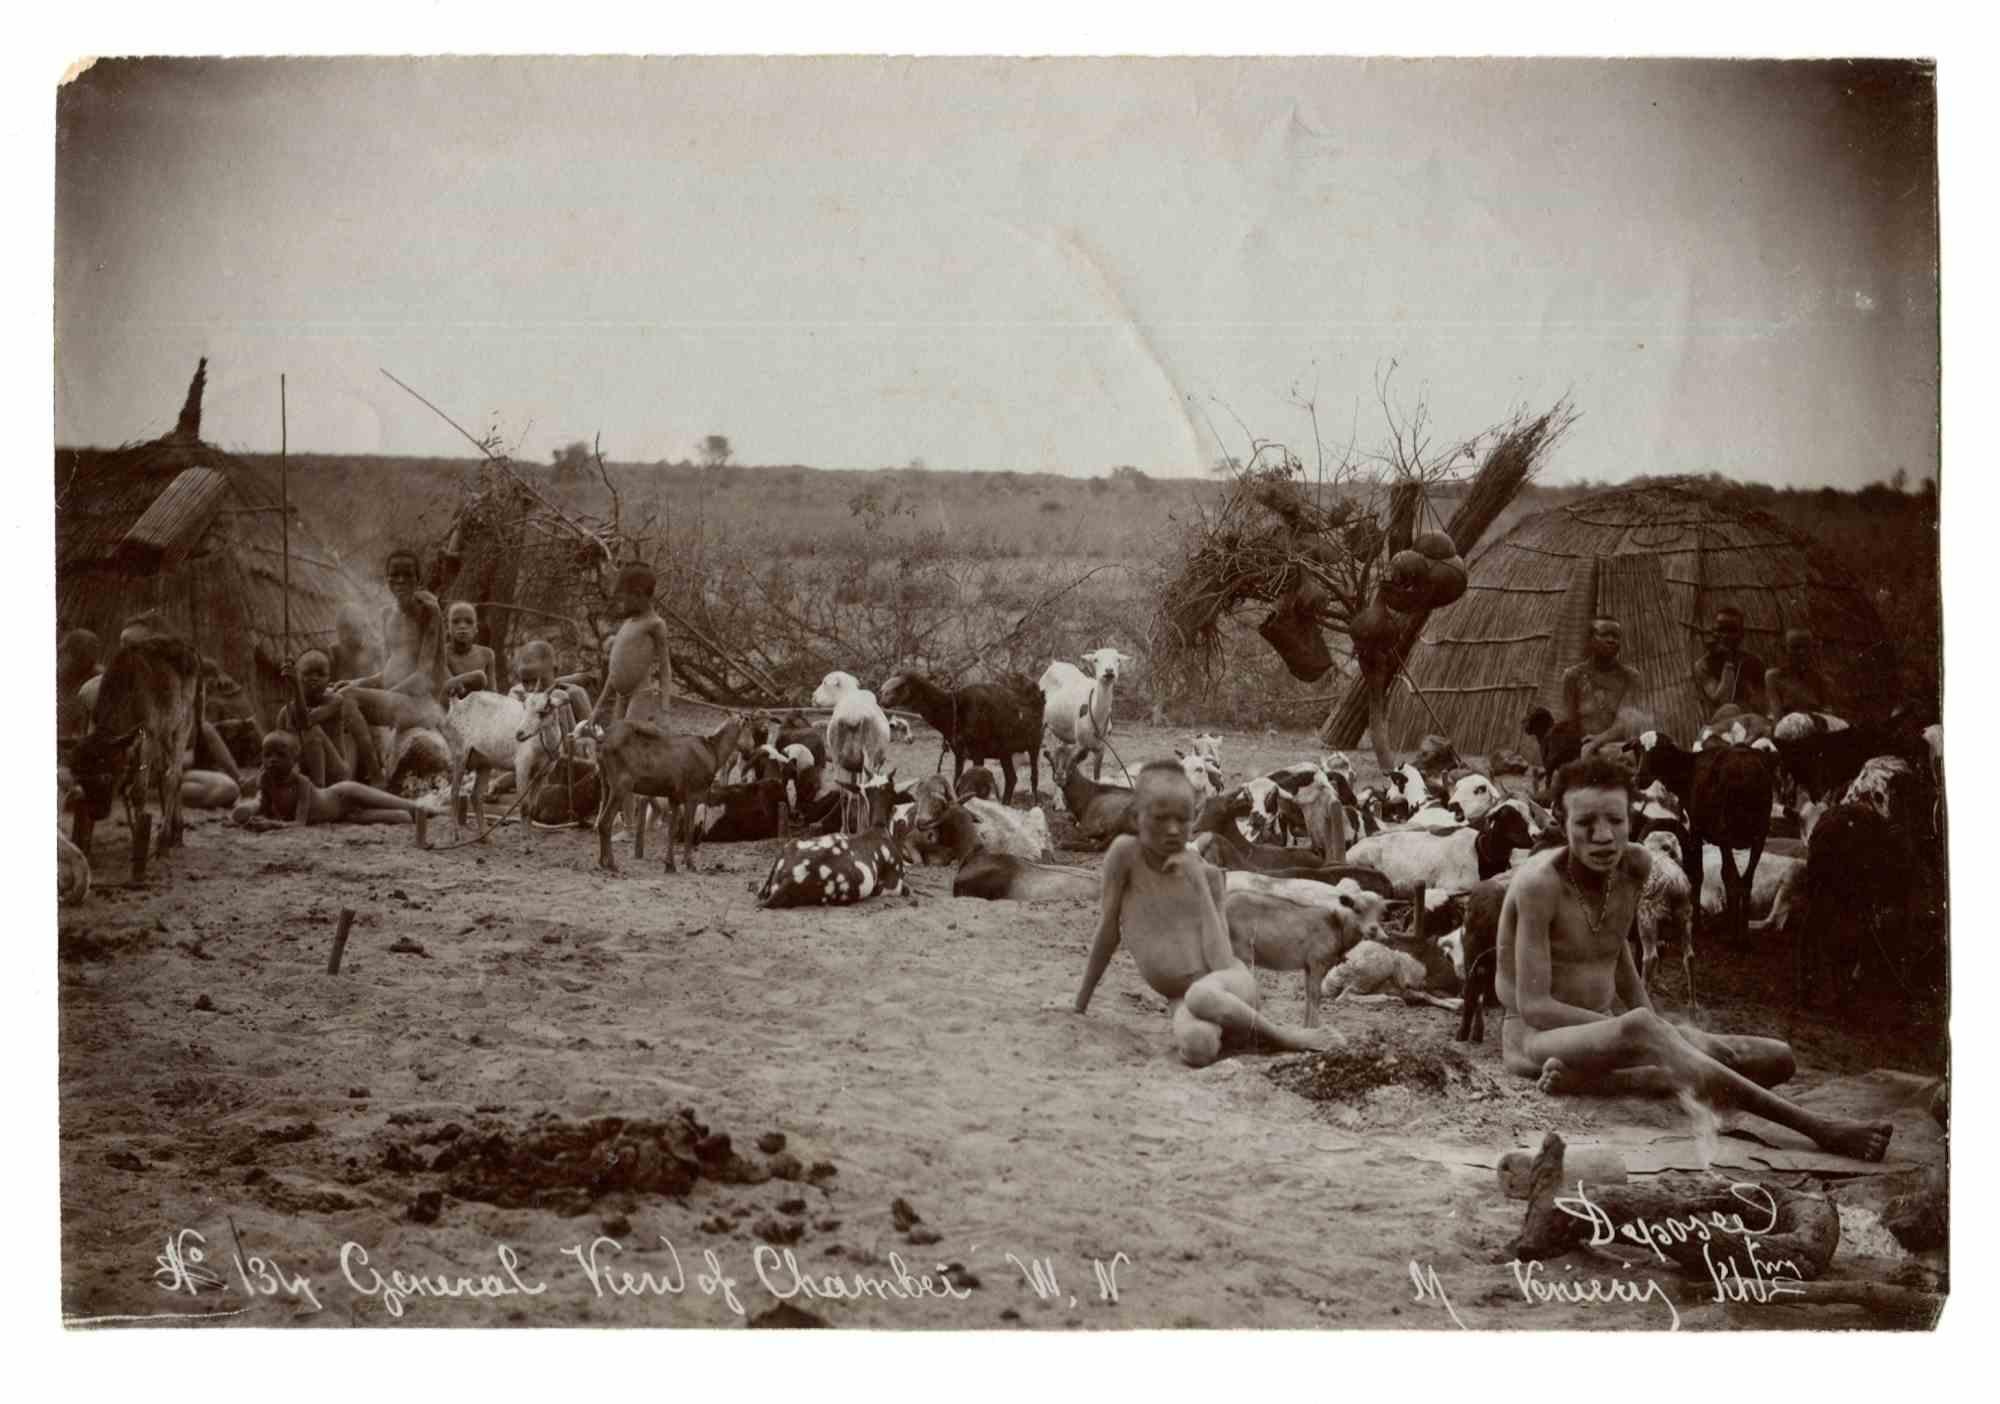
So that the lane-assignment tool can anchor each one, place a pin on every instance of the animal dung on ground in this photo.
(1378, 1058)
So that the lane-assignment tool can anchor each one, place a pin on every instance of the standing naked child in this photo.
(285, 795)
(344, 751)
(639, 681)
(472, 666)
(1166, 903)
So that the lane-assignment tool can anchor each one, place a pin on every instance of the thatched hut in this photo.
(179, 526)
(1661, 558)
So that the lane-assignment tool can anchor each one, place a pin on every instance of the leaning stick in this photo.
(339, 940)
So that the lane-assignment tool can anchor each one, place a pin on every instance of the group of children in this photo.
(325, 762)
(1576, 1014)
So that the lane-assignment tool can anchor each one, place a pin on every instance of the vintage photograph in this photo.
(1000, 694)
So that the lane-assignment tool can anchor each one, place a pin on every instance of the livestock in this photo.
(745, 812)
(1474, 950)
(1473, 796)
(1451, 860)
(1101, 812)
(1003, 877)
(963, 826)
(857, 734)
(978, 782)
(488, 731)
(838, 869)
(899, 728)
(143, 721)
(1824, 763)
(1357, 891)
(638, 758)
(1326, 819)
(1727, 794)
(1857, 873)
(1076, 705)
(1764, 881)
(1208, 746)
(1202, 776)
(1560, 742)
(1373, 970)
(72, 868)
(978, 722)
(1666, 907)
(1271, 933)
(1216, 835)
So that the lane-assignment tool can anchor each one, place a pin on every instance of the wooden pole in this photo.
(142, 843)
(285, 513)
(339, 940)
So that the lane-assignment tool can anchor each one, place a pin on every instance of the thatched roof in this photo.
(1662, 559)
(180, 526)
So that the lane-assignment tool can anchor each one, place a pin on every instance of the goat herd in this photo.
(1829, 832)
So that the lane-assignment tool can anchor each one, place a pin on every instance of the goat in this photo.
(1727, 794)
(857, 734)
(1308, 885)
(638, 758)
(1101, 812)
(1208, 746)
(1559, 742)
(1002, 877)
(72, 868)
(150, 694)
(838, 869)
(1474, 949)
(978, 782)
(1857, 870)
(1076, 706)
(1203, 774)
(489, 731)
(978, 722)
(1273, 934)
(744, 813)
(1666, 903)
(1451, 860)
(1326, 820)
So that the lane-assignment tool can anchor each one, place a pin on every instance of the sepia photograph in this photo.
(1000, 694)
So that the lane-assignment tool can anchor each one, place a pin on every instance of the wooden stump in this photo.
(142, 844)
(1801, 1230)
(339, 940)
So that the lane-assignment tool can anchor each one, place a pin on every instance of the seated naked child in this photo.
(1166, 904)
(286, 796)
(1577, 1015)
(335, 741)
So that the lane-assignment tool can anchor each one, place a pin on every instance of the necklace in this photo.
(1610, 885)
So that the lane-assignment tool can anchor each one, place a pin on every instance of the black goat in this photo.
(1727, 794)
(1480, 954)
(1560, 742)
(978, 722)
(1858, 871)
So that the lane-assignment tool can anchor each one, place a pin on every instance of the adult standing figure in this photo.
(1726, 675)
(1595, 689)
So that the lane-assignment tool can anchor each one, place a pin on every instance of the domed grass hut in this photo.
(1662, 559)
(178, 526)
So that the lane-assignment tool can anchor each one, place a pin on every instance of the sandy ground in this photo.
(215, 1079)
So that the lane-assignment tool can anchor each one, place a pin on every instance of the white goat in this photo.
(1076, 705)
(1202, 773)
(1326, 820)
(490, 732)
(1207, 745)
(857, 734)
(1665, 903)
(1003, 830)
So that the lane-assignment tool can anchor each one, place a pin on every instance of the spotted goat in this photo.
(839, 869)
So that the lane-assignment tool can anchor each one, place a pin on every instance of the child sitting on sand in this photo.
(285, 795)
(335, 740)
(1166, 904)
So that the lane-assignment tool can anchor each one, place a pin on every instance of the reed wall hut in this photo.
(179, 526)
(1660, 558)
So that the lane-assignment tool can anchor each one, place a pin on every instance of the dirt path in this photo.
(215, 1079)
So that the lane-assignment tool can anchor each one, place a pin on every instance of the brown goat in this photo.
(637, 758)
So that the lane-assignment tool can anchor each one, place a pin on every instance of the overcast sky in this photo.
(1048, 266)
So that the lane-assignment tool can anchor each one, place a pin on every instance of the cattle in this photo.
(839, 869)
(148, 704)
